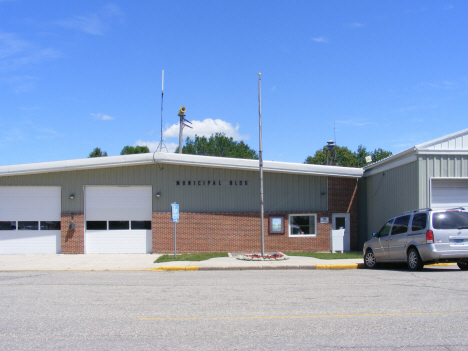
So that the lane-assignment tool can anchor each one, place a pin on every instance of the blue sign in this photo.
(175, 212)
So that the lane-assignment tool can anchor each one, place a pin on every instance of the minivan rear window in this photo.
(449, 220)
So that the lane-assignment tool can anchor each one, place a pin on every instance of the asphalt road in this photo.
(385, 309)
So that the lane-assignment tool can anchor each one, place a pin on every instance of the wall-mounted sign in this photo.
(276, 224)
(324, 220)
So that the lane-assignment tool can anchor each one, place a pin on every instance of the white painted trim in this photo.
(444, 152)
(392, 165)
(180, 159)
(304, 235)
(442, 139)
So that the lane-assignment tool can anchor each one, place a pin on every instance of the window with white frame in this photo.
(302, 225)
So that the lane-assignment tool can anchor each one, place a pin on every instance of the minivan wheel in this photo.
(463, 266)
(414, 260)
(369, 259)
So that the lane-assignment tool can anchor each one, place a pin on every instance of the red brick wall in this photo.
(231, 232)
(342, 198)
(72, 239)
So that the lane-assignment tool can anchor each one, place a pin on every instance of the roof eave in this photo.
(180, 159)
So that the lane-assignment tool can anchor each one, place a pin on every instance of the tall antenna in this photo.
(161, 143)
(334, 131)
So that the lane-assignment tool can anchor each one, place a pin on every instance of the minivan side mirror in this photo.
(375, 235)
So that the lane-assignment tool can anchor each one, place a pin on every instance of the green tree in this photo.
(97, 153)
(343, 157)
(218, 145)
(347, 158)
(128, 150)
(379, 154)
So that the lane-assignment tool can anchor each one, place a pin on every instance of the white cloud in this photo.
(102, 117)
(16, 53)
(207, 127)
(321, 40)
(354, 122)
(355, 25)
(95, 23)
(23, 83)
(152, 145)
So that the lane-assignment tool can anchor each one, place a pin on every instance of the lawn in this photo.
(327, 255)
(190, 257)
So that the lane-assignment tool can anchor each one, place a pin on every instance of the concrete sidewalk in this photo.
(146, 262)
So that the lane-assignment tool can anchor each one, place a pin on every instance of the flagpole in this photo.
(260, 157)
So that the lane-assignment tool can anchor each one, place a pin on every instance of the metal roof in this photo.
(456, 143)
(178, 159)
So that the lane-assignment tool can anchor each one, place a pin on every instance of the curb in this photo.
(239, 268)
(340, 266)
(175, 268)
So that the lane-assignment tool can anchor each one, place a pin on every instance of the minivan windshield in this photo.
(449, 220)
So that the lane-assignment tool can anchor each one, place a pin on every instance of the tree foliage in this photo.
(347, 158)
(97, 152)
(128, 150)
(218, 145)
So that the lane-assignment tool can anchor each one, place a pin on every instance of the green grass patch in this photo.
(327, 255)
(190, 257)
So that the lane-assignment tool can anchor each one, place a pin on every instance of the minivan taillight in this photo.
(429, 237)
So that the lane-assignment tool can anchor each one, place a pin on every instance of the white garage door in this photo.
(30, 220)
(118, 219)
(449, 193)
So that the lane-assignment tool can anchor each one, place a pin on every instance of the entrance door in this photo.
(341, 221)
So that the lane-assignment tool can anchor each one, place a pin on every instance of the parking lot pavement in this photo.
(146, 262)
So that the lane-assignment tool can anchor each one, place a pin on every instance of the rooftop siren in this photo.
(182, 111)
(182, 124)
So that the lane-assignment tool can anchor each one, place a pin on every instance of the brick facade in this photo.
(234, 231)
(240, 231)
(342, 198)
(72, 239)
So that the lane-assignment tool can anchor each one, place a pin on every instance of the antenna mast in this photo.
(161, 143)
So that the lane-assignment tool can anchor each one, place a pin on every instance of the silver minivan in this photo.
(421, 237)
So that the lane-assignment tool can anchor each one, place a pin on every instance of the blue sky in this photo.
(75, 75)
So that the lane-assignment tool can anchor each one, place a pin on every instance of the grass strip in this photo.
(190, 257)
(326, 255)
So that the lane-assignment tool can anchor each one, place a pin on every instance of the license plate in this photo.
(458, 242)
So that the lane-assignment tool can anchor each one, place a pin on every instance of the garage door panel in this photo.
(30, 242)
(118, 203)
(22, 204)
(30, 203)
(448, 193)
(119, 241)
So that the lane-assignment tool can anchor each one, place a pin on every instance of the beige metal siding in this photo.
(438, 166)
(282, 191)
(390, 193)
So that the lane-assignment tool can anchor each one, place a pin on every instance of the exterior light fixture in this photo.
(72, 224)
(158, 194)
(72, 196)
